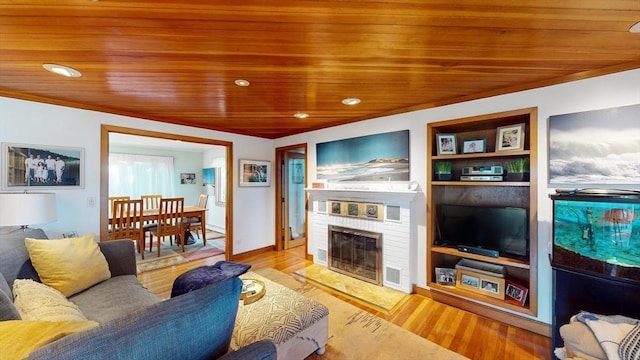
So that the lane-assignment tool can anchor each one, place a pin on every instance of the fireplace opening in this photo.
(356, 253)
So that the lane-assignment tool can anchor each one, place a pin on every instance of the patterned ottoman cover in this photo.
(298, 325)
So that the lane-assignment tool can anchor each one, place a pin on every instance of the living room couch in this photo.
(132, 322)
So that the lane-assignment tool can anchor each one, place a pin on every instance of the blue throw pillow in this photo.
(202, 276)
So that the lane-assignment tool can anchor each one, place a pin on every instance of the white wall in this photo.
(597, 93)
(34, 123)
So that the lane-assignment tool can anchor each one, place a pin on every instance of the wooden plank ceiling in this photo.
(176, 61)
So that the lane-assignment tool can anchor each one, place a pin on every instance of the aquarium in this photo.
(597, 234)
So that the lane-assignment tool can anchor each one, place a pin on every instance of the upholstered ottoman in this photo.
(298, 325)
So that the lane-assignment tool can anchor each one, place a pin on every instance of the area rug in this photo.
(172, 254)
(380, 297)
(356, 334)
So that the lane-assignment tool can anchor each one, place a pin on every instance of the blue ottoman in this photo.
(202, 276)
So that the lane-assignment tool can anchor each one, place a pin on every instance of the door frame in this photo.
(278, 196)
(105, 130)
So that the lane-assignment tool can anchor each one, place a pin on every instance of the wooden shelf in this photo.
(505, 304)
(480, 183)
(521, 194)
(482, 155)
(499, 260)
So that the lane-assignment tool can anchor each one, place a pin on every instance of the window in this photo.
(135, 175)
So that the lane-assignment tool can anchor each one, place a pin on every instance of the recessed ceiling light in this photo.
(301, 115)
(62, 70)
(242, 82)
(635, 28)
(351, 101)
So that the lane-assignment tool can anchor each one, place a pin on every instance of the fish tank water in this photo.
(597, 233)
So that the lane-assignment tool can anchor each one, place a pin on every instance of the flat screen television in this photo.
(503, 229)
(597, 234)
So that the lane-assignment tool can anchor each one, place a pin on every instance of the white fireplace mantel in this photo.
(399, 244)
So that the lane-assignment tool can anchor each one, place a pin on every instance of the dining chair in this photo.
(194, 223)
(170, 220)
(126, 222)
(149, 202)
(113, 199)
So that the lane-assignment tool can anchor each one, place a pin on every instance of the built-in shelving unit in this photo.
(483, 193)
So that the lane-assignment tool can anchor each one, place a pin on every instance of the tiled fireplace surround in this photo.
(398, 229)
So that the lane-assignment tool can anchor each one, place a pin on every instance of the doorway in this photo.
(291, 197)
(106, 130)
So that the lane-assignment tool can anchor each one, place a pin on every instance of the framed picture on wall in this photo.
(187, 178)
(255, 173)
(41, 166)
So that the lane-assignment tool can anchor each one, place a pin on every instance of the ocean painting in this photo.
(600, 147)
(379, 157)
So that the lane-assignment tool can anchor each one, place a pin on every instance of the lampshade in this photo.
(27, 208)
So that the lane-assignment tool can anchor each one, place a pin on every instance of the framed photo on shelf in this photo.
(474, 146)
(468, 280)
(446, 144)
(510, 138)
(255, 173)
(446, 276)
(27, 167)
(516, 292)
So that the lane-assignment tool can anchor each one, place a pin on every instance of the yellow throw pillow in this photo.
(18, 338)
(69, 265)
(36, 301)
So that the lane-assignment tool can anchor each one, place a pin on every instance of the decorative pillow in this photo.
(18, 338)
(36, 301)
(630, 345)
(69, 265)
(580, 342)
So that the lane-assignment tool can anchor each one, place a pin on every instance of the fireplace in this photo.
(356, 253)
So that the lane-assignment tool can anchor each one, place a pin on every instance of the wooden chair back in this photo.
(151, 201)
(202, 200)
(113, 199)
(125, 222)
(170, 221)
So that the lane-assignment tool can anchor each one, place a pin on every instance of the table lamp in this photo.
(27, 208)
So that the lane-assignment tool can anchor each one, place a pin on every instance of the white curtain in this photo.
(135, 175)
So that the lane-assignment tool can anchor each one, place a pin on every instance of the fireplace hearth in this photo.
(356, 253)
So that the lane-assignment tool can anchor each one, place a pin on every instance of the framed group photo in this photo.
(446, 276)
(516, 292)
(255, 173)
(446, 144)
(510, 138)
(41, 166)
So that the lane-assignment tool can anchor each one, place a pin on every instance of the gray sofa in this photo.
(134, 323)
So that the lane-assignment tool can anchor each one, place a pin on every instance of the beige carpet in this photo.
(355, 334)
(171, 255)
(383, 298)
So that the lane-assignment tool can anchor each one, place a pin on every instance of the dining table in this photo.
(152, 215)
(188, 211)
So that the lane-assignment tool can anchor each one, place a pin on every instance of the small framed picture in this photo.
(510, 138)
(469, 281)
(516, 292)
(255, 173)
(446, 276)
(446, 144)
(187, 178)
(474, 146)
(70, 234)
(490, 286)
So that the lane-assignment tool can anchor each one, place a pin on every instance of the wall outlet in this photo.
(91, 202)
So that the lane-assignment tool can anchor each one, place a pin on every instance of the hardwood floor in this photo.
(466, 333)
